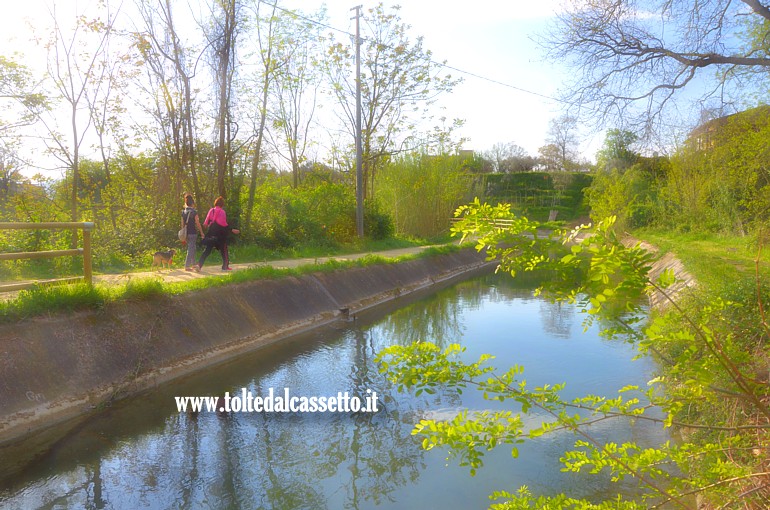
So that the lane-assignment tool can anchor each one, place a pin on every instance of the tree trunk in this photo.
(268, 62)
(75, 176)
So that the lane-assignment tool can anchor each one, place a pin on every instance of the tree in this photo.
(517, 164)
(626, 194)
(106, 105)
(720, 178)
(549, 158)
(20, 104)
(561, 150)
(399, 84)
(510, 158)
(617, 150)
(222, 43)
(295, 90)
(72, 69)
(170, 69)
(10, 174)
(266, 28)
(629, 59)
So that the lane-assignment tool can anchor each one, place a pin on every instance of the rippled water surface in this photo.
(141, 453)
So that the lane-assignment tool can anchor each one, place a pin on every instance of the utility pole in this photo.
(359, 148)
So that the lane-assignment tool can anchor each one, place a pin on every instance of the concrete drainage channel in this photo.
(54, 369)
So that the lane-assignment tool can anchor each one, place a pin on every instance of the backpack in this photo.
(182, 234)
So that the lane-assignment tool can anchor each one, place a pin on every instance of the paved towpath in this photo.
(178, 274)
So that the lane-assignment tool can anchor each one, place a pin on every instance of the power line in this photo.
(497, 82)
(305, 18)
(442, 64)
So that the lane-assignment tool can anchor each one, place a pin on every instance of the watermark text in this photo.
(279, 402)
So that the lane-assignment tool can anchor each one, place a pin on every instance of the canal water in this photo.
(142, 453)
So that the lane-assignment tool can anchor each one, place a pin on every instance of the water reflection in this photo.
(142, 454)
(440, 322)
(558, 318)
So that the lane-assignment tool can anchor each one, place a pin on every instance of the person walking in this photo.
(216, 235)
(192, 220)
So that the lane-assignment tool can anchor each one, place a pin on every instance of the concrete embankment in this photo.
(668, 262)
(55, 368)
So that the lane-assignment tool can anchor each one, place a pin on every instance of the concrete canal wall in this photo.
(667, 262)
(56, 368)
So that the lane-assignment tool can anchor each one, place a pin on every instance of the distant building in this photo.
(465, 154)
(12, 187)
(708, 135)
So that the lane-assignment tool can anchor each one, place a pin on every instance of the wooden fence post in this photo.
(87, 273)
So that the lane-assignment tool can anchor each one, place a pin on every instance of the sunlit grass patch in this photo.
(54, 298)
(137, 289)
(711, 256)
(725, 265)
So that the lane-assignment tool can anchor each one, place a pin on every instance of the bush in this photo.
(629, 195)
(322, 214)
(420, 192)
(377, 224)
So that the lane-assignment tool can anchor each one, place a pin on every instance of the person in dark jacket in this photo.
(217, 233)
(192, 220)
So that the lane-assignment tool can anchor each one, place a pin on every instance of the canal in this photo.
(142, 453)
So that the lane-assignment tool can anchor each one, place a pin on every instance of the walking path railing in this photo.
(85, 251)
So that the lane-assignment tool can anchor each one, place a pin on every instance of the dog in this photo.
(163, 257)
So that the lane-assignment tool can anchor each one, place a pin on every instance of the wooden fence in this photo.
(507, 223)
(496, 222)
(85, 251)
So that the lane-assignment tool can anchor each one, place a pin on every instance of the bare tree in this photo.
(399, 83)
(561, 150)
(105, 105)
(296, 92)
(630, 58)
(170, 70)
(72, 62)
(222, 43)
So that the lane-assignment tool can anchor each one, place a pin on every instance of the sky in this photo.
(507, 84)
(493, 40)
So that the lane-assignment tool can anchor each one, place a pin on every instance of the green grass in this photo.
(724, 265)
(67, 298)
(710, 256)
(53, 298)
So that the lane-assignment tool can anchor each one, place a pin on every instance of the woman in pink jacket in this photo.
(216, 236)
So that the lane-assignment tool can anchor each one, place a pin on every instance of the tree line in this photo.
(718, 180)
(142, 102)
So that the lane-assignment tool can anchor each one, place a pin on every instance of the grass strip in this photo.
(68, 298)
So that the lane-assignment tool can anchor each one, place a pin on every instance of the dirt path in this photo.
(178, 274)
